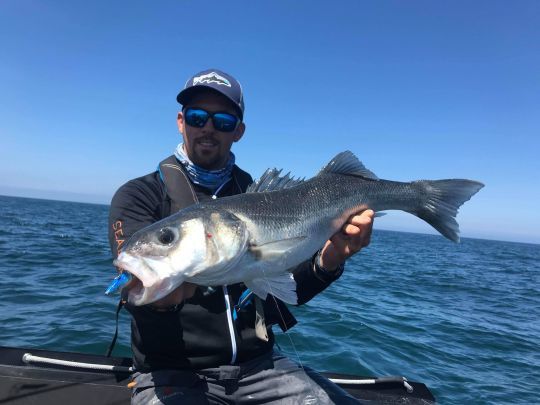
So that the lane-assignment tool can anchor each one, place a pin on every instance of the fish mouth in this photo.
(148, 285)
(136, 267)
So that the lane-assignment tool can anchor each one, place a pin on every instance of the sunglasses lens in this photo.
(225, 122)
(196, 118)
(222, 121)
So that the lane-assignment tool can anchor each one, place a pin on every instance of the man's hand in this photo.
(355, 235)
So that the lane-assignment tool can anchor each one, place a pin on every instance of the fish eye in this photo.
(166, 236)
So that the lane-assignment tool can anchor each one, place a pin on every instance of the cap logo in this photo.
(212, 77)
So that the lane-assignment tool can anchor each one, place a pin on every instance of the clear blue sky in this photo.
(417, 89)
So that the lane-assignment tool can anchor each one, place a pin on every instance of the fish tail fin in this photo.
(443, 199)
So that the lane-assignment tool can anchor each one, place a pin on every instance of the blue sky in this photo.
(417, 89)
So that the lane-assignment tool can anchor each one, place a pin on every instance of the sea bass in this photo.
(256, 237)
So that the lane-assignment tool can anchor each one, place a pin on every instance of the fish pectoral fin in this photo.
(281, 286)
(275, 249)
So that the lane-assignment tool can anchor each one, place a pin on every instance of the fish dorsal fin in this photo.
(272, 181)
(347, 163)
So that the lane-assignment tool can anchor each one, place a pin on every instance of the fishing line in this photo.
(283, 320)
(289, 335)
(290, 338)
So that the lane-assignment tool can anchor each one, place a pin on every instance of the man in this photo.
(199, 345)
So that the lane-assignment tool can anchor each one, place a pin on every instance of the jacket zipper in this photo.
(228, 301)
(225, 290)
(230, 323)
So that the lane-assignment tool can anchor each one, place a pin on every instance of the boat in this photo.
(37, 376)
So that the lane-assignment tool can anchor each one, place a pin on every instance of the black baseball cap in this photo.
(216, 80)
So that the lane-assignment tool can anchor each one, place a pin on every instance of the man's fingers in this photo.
(354, 235)
(354, 242)
(357, 237)
(358, 228)
(340, 245)
(351, 230)
(346, 246)
(363, 219)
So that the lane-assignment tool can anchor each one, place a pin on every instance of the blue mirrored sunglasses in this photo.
(222, 121)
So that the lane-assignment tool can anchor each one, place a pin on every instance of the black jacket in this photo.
(198, 333)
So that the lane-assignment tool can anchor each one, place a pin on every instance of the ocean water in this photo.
(464, 319)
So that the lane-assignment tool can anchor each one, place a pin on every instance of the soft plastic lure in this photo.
(118, 283)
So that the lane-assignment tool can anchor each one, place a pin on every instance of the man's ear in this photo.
(239, 131)
(180, 121)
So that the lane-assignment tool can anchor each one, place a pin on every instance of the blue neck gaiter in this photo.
(211, 179)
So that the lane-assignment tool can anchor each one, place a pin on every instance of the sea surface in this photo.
(462, 318)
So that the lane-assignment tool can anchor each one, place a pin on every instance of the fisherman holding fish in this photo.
(195, 344)
(212, 257)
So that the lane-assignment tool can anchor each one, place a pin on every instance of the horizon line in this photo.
(378, 229)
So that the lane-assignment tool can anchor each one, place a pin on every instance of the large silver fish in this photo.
(256, 237)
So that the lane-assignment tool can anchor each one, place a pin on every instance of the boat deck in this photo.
(23, 383)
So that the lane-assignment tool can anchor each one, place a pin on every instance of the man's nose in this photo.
(208, 126)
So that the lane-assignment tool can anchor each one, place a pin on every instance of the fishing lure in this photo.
(118, 283)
